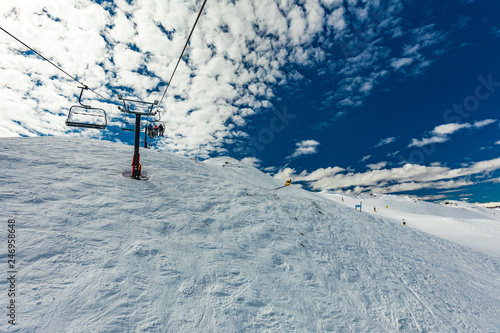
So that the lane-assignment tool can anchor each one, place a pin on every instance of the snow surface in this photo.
(212, 247)
(467, 224)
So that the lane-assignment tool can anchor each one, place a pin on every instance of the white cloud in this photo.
(409, 177)
(427, 36)
(306, 147)
(442, 133)
(377, 166)
(297, 24)
(365, 158)
(432, 197)
(255, 162)
(415, 56)
(285, 173)
(393, 154)
(123, 29)
(427, 141)
(398, 63)
(497, 143)
(337, 20)
(384, 142)
(486, 122)
(448, 129)
(127, 59)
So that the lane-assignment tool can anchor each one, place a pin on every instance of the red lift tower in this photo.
(139, 108)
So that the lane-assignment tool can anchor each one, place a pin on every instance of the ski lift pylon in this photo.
(86, 116)
(140, 108)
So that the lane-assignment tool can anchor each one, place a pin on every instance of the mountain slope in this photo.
(212, 247)
(464, 223)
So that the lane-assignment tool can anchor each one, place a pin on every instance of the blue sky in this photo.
(357, 96)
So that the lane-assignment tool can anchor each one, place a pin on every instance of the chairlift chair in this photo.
(128, 124)
(86, 116)
(128, 127)
(154, 123)
(163, 125)
(157, 122)
(141, 108)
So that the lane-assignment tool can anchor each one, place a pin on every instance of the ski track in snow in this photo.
(211, 247)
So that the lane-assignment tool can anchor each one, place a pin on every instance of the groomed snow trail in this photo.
(461, 222)
(211, 247)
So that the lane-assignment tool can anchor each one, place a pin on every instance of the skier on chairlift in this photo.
(150, 130)
(155, 131)
(161, 129)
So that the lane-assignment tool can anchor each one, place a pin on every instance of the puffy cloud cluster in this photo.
(442, 133)
(415, 52)
(306, 147)
(239, 54)
(374, 43)
(409, 177)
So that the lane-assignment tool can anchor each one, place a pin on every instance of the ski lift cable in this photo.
(182, 53)
(59, 68)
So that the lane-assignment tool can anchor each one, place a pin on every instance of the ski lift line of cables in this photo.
(59, 68)
(182, 53)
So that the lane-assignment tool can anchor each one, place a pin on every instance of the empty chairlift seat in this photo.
(86, 117)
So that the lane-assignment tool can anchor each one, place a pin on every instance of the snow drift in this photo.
(211, 247)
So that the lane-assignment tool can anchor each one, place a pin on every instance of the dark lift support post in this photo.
(131, 128)
(146, 111)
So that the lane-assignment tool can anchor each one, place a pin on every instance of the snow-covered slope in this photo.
(212, 247)
(464, 223)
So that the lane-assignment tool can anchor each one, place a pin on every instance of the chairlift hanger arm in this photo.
(126, 108)
(80, 98)
(120, 97)
(158, 114)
